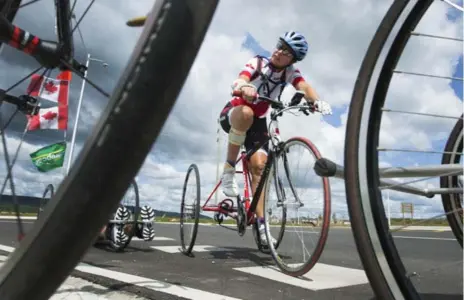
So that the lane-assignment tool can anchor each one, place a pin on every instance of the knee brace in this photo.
(236, 137)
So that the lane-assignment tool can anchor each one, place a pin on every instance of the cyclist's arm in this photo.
(310, 93)
(245, 74)
(298, 81)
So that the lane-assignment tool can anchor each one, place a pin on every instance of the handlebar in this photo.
(294, 102)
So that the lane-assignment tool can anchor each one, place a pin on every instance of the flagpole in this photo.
(218, 159)
(76, 120)
(78, 112)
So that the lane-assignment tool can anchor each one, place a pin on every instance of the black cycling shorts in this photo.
(257, 134)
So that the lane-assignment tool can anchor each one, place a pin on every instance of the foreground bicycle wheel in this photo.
(190, 212)
(289, 189)
(103, 171)
(375, 244)
(452, 203)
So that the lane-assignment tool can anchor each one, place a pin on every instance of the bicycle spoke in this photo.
(424, 221)
(82, 17)
(25, 78)
(416, 151)
(68, 65)
(416, 180)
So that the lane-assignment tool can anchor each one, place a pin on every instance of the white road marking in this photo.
(196, 248)
(156, 238)
(7, 248)
(152, 284)
(321, 277)
(423, 238)
(156, 285)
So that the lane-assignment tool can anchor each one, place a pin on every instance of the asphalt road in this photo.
(226, 266)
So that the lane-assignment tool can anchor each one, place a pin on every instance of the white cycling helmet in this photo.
(297, 42)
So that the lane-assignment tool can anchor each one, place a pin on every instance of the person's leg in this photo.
(257, 162)
(238, 120)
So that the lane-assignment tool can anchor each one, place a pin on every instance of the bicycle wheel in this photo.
(103, 171)
(290, 190)
(452, 203)
(375, 245)
(45, 198)
(255, 229)
(190, 213)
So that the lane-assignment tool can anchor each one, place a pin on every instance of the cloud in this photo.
(338, 41)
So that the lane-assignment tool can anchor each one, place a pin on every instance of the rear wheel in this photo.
(190, 209)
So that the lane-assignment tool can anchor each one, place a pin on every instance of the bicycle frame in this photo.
(50, 54)
(250, 207)
(326, 168)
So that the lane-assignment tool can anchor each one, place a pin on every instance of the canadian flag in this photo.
(48, 88)
(55, 117)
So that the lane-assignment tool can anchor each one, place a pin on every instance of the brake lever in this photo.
(309, 108)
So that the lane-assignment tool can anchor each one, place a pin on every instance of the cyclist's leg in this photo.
(235, 120)
(258, 135)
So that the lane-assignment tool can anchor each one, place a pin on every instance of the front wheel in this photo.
(291, 203)
(190, 209)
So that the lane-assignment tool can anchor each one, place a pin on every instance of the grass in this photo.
(394, 222)
(32, 211)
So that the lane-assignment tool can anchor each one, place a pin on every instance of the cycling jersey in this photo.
(270, 83)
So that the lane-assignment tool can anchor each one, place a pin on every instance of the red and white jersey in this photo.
(270, 89)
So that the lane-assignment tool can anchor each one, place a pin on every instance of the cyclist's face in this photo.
(282, 55)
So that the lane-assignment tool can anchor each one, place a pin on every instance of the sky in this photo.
(338, 33)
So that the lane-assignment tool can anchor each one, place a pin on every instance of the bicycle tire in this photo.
(314, 258)
(103, 171)
(378, 254)
(188, 249)
(43, 201)
(133, 223)
(451, 202)
(264, 248)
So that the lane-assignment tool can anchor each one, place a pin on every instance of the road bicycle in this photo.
(143, 99)
(244, 211)
(103, 171)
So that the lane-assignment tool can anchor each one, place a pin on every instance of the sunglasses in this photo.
(284, 48)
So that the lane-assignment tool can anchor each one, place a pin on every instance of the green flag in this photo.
(49, 157)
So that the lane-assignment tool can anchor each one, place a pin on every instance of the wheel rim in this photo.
(370, 196)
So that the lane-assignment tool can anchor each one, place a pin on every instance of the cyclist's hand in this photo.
(323, 107)
(248, 93)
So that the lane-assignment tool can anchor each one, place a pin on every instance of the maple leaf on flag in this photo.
(49, 115)
(50, 87)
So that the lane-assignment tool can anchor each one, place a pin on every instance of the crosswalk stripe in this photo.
(196, 248)
(156, 285)
(321, 277)
(156, 238)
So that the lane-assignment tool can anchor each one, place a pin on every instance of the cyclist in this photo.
(244, 119)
